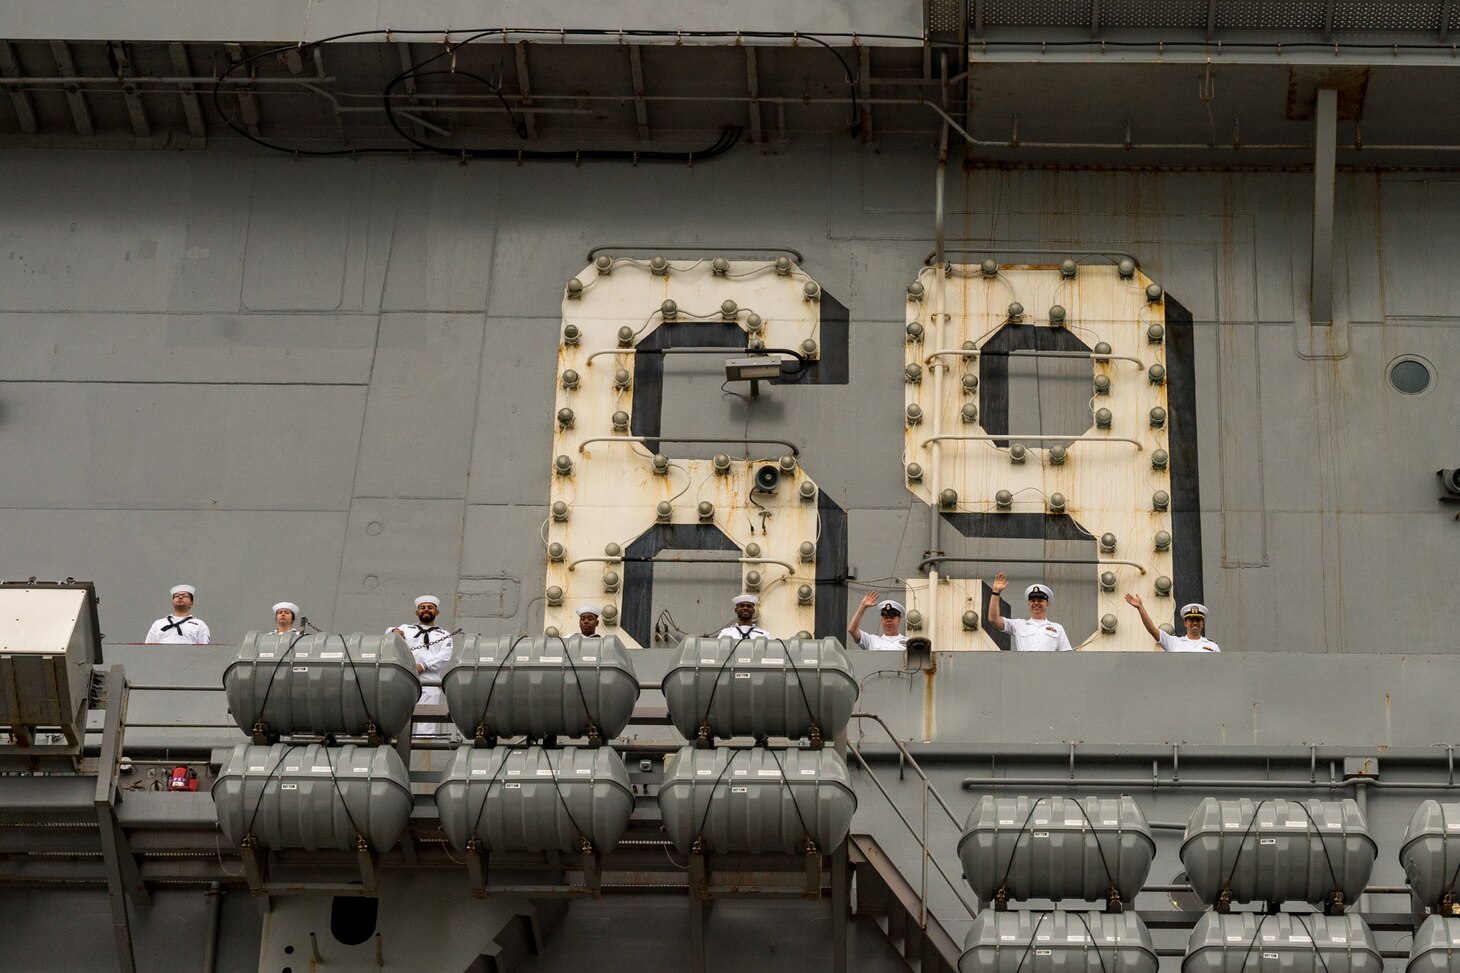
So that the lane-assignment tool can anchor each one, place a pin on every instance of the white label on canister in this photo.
(1298, 937)
(1109, 822)
(1339, 937)
(1332, 825)
(1043, 952)
(479, 772)
(490, 658)
(741, 662)
(362, 770)
(1008, 939)
(809, 773)
(1453, 826)
(739, 790)
(1041, 820)
(768, 773)
(1295, 824)
(737, 773)
(1267, 841)
(288, 787)
(590, 658)
(707, 662)
(292, 770)
(1043, 939)
(1006, 820)
(1269, 955)
(367, 655)
(742, 675)
(551, 658)
(584, 771)
(544, 773)
(703, 773)
(256, 770)
(326, 769)
(1041, 834)
(522, 658)
(1075, 937)
(266, 655)
(513, 773)
(513, 785)
(332, 655)
(1268, 939)
(1235, 939)
(299, 668)
(772, 662)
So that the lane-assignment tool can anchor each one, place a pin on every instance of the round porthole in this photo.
(1411, 375)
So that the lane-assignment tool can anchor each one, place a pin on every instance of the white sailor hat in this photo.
(289, 605)
(428, 599)
(185, 588)
(593, 610)
(887, 603)
(1040, 589)
(745, 600)
(1194, 610)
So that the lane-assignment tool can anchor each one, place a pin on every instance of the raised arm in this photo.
(854, 628)
(995, 619)
(1135, 602)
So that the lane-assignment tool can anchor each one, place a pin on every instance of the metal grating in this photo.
(1181, 14)
(945, 16)
(1393, 15)
(1300, 15)
(1036, 13)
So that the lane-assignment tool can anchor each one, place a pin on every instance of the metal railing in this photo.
(1022, 353)
(991, 437)
(905, 759)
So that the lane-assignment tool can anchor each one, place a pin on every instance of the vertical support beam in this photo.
(698, 904)
(1325, 137)
(122, 61)
(67, 69)
(410, 85)
(752, 84)
(197, 128)
(641, 110)
(864, 82)
(10, 68)
(524, 85)
(841, 888)
(247, 103)
(122, 877)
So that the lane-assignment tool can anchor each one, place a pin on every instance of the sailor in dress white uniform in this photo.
(1193, 616)
(588, 616)
(890, 639)
(286, 613)
(180, 627)
(1035, 633)
(744, 627)
(431, 646)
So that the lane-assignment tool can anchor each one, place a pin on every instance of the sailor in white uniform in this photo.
(180, 627)
(890, 639)
(432, 647)
(1035, 633)
(286, 613)
(588, 616)
(744, 627)
(1194, 616)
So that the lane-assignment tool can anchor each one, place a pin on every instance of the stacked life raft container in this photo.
(747, 784)
(319, 774)
(535, 797)
(1058, 849)
(1431, 859)
(1275, 851)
